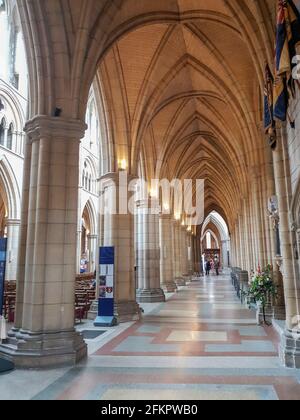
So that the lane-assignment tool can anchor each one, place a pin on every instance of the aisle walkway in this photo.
(201, 344)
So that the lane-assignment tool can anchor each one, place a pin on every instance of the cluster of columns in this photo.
(164, 256)
(165, 252)
(261, 237)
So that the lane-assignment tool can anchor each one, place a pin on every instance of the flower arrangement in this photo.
(262, 288)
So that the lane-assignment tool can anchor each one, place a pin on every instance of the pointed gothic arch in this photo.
(10, 189)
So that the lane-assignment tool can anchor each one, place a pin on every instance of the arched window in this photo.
(10, 137)
(20, 69)
(4, 36)
(83, 178)
(2, 132)
(208, 240)
(93, 124)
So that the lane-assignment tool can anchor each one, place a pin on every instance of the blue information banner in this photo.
(106, 287)
(107, 255)
(3, 251)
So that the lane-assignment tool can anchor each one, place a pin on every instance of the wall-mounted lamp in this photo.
(166, 207)
(153, 193)
(177, 216)
(123, 164)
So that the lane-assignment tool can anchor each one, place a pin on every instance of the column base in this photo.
(289, 349)
(269, 314)
(46, 350)
(180, 281)
(169, 287)
(187, 278)
(279, 313)
(127, 311)
(93, 312)
(150, 295)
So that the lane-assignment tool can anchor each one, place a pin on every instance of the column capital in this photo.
(92, 236)
(13, 222)
(164, 216)
(151, 204)
(44, 126)
(116, 178)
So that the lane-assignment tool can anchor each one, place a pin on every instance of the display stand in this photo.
(106, 317)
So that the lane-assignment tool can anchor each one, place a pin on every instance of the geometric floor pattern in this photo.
(202, 344)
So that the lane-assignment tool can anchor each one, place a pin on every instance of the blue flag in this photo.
(268, 99)
(287, 43)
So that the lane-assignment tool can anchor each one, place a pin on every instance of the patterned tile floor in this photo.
(200, 344)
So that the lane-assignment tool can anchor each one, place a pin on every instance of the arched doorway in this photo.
(215, 240)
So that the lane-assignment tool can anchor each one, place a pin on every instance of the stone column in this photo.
(13, 232)
(44, 333)
(196, 254)
(183, 249)
(225, 253)
(177, 254)
(93, 243)
(290, 339)
(78, 250)
(118, 231)
(259, 230)
(278, 303)
(148, 253)
(191, 262)
(166, 253)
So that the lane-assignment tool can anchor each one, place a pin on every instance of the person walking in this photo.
(207, 268)
(217, 267)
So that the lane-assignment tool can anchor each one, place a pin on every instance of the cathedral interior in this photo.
(120, 120)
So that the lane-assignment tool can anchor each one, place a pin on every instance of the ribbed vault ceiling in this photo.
(187, 96)
(179, 83)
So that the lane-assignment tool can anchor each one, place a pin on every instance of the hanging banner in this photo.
(3, 252)
(106, 288)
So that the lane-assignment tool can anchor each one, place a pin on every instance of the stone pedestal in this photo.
(50, 350)
(180, 281)
(290, 348)
(148, 252)
(127, 311)
(44, 334)
(93, 312)
(278, 302)
(150, 295)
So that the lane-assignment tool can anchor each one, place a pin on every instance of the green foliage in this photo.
(262, 286)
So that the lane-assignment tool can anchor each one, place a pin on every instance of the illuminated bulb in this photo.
(153, 193)
(166, 207)
(123, 164)
(177, 216)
